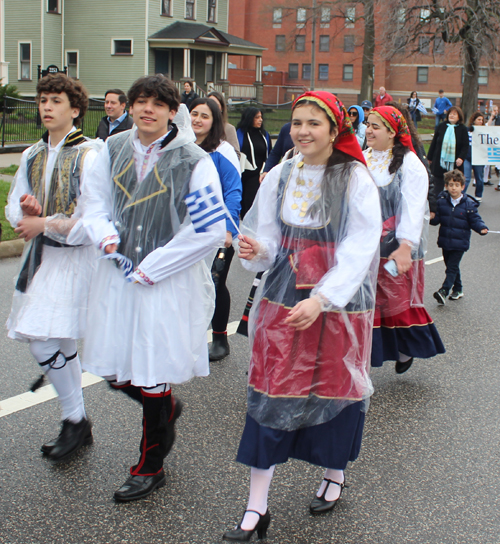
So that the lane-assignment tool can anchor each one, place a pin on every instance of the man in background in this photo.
(441, 106)
(117, 118)
(382, 98)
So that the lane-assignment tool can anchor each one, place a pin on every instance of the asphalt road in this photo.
(428, 472)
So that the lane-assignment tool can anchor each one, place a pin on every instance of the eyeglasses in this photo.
(353, 113)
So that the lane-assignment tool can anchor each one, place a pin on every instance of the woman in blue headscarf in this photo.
(357, 116)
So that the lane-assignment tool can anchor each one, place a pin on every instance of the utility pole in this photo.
(313, 45)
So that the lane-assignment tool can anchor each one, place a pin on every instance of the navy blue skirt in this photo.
(421, 341)
(329, 445)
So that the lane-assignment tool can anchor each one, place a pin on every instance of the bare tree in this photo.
(473, 25)
(367, 65)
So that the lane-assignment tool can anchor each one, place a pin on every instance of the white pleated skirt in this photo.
(149, 334)
(55, 303)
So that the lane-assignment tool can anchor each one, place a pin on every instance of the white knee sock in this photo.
(66, 378)
(260, 480)
(403, 358)
(333, 492)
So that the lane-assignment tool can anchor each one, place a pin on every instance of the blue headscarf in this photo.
(361, 113)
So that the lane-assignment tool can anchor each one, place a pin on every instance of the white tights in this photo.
(260, 480)
(66, 378)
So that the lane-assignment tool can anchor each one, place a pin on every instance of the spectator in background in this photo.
(283, 144)
(476, 120)
(230, 131)
(449, 147)
(441, 107)
(117, 118)
(494, 120)
(255, 144)
(188, 95)
(357, 116)
(382, 98)
(416, 108)
(366, 106)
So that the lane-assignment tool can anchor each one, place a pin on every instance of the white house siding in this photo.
(90, 27)
(22, 25)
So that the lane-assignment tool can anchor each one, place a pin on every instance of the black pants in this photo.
(452, 261)
(222, 297)
(438, 186)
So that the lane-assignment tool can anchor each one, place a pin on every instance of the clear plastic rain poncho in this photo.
(405, 216)
(148, 209)
(319, 234)
(58, 200)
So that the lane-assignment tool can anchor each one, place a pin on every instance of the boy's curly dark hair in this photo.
(158, 86)
(61, 83)
(454, 175)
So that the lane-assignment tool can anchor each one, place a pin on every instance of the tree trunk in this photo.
(368, 52)
(472, 57)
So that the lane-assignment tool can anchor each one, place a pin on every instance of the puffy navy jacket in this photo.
(456, 222)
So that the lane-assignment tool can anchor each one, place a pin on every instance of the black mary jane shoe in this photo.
(138, 487)
(240, 535)
(320, 505)
(401, 368)
(72, 437)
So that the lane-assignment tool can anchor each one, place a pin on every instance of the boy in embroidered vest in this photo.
(152, 299)
(50, 301)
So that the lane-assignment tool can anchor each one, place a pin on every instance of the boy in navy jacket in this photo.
(457, 214)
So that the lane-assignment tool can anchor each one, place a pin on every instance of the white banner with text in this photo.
(486, 146)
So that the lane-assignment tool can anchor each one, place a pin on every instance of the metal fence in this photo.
(20, 121)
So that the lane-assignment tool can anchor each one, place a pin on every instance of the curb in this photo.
(12, 248)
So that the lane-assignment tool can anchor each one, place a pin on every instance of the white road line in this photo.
(434, 261)
(29, 399)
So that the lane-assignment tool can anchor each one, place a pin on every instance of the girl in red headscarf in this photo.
(314, 227)
(403, 328)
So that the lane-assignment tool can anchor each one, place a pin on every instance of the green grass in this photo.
(7, 231)
(9, 170)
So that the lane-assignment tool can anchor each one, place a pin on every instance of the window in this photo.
(280, 42)
(293, 71)
(438, 46)
(423, 45)
(277, 16)
(349, 44)
(424, 15)
(306, 71)
(301, 15)
(323, 72)
(483, 76)
(347, 72)
(122, 47)
(212, 11)
(401, 17)
(72, 63)
(324, 43)
(325, 16)
(190, 11)
(53, 6)
(209, 75)
(350, 17)
(422, 74)
(166, 8)
(25, 60)
(300, 43)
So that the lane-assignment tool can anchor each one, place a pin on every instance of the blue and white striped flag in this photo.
(204, 208)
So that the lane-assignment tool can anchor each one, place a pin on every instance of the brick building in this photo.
(286, 31)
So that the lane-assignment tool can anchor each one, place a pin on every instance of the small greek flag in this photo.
(204, 208)
(124, 263)
(493, 154)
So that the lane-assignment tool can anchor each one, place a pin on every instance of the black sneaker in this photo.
(456, 295)
(440, 296)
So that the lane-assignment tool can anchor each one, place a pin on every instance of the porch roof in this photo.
(199, 36)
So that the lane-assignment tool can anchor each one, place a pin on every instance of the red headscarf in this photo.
(346, 140)
(396, 123)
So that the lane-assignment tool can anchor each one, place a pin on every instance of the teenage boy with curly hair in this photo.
(50, 301)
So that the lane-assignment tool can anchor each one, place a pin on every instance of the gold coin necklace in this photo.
(306, 191)
(375, 162)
